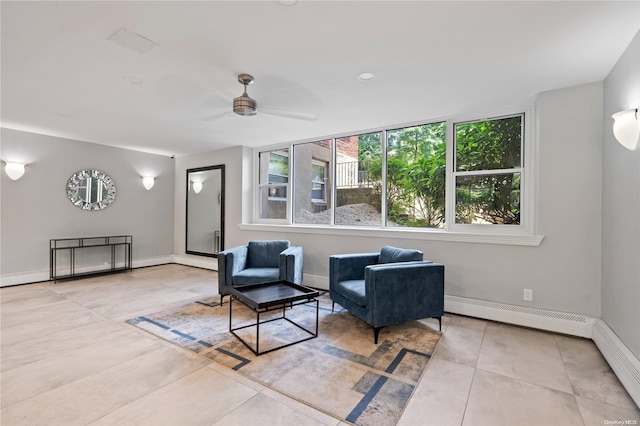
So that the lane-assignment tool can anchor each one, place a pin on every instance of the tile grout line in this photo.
(475, 371)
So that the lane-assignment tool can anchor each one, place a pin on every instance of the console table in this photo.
(114, 252)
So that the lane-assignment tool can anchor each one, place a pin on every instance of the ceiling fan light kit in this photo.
(244, 105)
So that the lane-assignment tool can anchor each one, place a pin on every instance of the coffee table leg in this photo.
(258, 335)
(317, 317)
(230, 310)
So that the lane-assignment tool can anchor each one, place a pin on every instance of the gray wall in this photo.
(35, 208)
(564, 271)
(621, 206)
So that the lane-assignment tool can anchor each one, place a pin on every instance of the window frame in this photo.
(325, 168)
(511, 234)
(279, 184)
(282, 150)
(527, 175)
(527, 188)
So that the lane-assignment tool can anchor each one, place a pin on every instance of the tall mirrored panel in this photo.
(205, 211)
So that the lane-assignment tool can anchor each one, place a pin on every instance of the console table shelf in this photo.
(118, 247)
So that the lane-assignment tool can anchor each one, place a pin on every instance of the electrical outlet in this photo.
(528, 295)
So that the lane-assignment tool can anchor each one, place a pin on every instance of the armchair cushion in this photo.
(353, 290)
(390, 254)
(265, 254)
(256, 276)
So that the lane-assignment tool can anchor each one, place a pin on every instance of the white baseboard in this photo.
(315, 281)
(560, 322)
(152, 261)
(622, 361)
(23, 278)
(39, 276)
(197, 261)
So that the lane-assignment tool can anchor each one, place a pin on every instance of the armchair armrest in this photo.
(230, 262)
(350, 266)
(291, 264)
(405, 291)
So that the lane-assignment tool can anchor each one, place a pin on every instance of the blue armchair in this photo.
(259, 262)
(390, 287)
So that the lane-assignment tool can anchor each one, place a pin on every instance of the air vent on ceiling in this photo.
(131, 40)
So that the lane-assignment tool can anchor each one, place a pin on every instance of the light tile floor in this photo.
(68, 358)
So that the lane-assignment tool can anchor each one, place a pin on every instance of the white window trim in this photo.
(520, 235)
(395, 233)
(527, 189)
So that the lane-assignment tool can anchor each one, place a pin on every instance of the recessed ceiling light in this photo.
(366, 76)
(288, 2)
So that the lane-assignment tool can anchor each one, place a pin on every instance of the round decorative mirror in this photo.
(91, 189)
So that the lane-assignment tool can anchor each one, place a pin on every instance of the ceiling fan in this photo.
(245, 105)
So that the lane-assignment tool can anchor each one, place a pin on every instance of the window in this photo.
(416, 176)
(312, 186)
(488, 171)
(359, 180)
(273, 181)
(318, 182)
(448, 175)
(278, 175)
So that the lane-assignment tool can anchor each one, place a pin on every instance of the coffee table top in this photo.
(260, 296)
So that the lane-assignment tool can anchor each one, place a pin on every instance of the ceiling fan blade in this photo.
(218, 116)
(279, 112)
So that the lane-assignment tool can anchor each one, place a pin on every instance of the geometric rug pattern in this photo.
(341, 372)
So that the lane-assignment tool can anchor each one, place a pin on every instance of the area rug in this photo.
(341, 372)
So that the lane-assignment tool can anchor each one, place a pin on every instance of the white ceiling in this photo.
(62, 76)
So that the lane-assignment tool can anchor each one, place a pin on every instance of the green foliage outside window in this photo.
(416, 175)
(278, 165)
(492, 145)
(416, 172)
(489, 145)
(487, 172)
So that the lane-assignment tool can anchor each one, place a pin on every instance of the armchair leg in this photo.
(440, 323)
(222, 297)
(376, 332)
(333, 305)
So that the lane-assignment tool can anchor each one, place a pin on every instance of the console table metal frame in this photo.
(298, 295)
(73, 244)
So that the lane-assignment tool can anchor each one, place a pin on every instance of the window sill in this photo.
(412, 234)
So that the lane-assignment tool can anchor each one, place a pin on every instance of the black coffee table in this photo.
(268, 297)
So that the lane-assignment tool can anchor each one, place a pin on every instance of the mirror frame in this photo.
(73, 185)
(222, 222)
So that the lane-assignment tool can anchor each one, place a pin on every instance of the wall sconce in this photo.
(148, 182)
(14, 170)
(626, 128)
(197, 187)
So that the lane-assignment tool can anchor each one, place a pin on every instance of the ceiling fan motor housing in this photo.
(244, 105)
